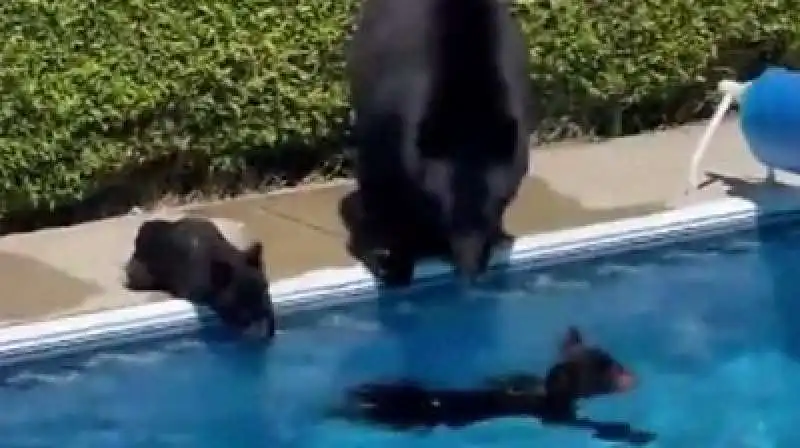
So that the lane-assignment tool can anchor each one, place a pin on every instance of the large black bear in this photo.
(190, 258)
(440, 91)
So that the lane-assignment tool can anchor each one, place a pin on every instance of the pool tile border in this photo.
(329, 287)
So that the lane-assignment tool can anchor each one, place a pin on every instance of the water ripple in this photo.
(547, 282)
(611, 269)
(737, 246)
(348, 322)
(101, 359)
(180, 345)
(684, 254)
(31, 377)
(27, 379)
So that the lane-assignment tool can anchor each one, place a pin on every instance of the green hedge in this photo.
(92, 91)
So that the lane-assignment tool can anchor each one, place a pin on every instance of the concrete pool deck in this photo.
(65, 271)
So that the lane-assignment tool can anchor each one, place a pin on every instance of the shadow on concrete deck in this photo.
(32, 289)
(304, 231)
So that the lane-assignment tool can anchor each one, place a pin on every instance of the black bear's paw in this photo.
(395, 270)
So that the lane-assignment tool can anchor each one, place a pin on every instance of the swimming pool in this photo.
(708, 327)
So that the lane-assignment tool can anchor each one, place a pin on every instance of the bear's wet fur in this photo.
(580, 372)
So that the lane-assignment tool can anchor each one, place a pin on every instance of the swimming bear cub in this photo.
(190, 258)
(440, 91)
(581, 372)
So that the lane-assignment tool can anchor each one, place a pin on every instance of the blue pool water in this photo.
(709, 327)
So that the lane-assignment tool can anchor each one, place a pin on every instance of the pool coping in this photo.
(334, 286)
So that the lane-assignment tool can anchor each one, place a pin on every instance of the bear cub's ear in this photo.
(253, 255)
(572, 343)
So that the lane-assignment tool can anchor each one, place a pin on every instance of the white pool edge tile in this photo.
(325, 287)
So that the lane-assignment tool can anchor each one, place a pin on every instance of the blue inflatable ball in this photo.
(769, 115)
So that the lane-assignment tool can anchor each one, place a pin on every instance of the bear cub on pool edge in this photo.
(191, 259)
